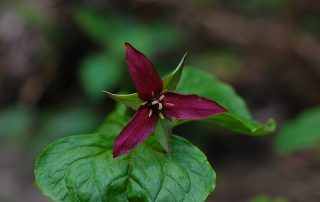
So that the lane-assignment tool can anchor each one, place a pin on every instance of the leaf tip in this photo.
(185, 55)
(181, 65)
(108, 94)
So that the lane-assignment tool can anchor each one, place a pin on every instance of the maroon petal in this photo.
(143, 74)
(139, 128)
(177, 106)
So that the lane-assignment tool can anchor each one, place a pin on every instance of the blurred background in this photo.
(57, 56)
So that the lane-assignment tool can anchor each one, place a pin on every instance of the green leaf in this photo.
(300, 133)
(238, 117)
(131, 100)
(171, 81)
(163, 133)
(99, 72)
(81, 168)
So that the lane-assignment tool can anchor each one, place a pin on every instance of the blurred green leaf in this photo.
(60, 123)
(238, 117)
(113, 30)
(300, 133)
(223, 64)
(96, 25)
(98, 72)
(81, 168)
(266, 198)
(15, 122)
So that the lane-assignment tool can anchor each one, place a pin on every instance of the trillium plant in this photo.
(139, 159)
(157, 103)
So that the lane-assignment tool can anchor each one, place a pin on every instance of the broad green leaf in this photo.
(300, 133)
(81, 168)
(171, 81)
(99, 72)
(238, 117)
(131, 100)
(163, 133)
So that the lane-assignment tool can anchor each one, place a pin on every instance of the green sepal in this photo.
(131, 100)
(171, 81)
(163, 133)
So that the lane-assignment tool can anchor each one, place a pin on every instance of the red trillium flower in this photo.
(157, 103)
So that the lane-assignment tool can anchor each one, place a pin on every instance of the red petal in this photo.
(139, 128)
(177, 106)
(143, 74)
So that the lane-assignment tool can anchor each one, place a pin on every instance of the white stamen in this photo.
(169, 104)
(159, 106)
(150, 113)
(160, 115)
(161, 97)
(154, 102)
(144, 103)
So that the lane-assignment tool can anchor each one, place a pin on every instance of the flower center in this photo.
(155, 105)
